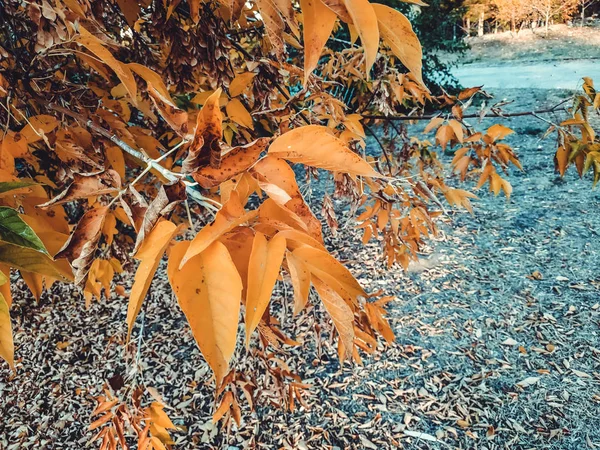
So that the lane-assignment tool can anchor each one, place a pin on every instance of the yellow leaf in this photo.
(240, 83)
(7, 348)
(153, 79)
(229, 216)
(274, 25)
(365, 20)
(435, 122)
(321, 264)
(209, 290)
(237, 112)
(498, 131)
(115, 158)
(263, 270)
(314, 145)
(458, 129)
(159, 417)
(149, 255)
(278, 180)
(208, 132)
(300, 281)
(35, 283)
(318, 25)
(226, 403)
(94, 45)
(341, 314)
(561, 160)
(157, 444)
(397, 32)
(444, 135)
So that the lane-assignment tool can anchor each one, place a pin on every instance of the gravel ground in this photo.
(498, 340)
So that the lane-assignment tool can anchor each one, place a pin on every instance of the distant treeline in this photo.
(491, 16)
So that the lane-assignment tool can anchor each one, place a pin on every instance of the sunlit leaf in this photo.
(263, 270)
(314, 145)
(209, 289)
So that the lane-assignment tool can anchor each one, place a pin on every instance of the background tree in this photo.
(548, 9)
(512, 12)
(583, 6)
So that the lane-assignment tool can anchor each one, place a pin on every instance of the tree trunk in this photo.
(481, 21)
(468, 26)
(582, 14)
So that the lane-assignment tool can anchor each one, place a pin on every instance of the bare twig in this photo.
(383, 149)
(490, 114)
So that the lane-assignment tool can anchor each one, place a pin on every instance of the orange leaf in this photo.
(149, 255)
(240, 83)
(321, 264)
(94, 45)
(314, 145)
(237, 112)
(263, 270)
(226, 403)
(340, 313)
(237, 160)
(205, 148)
(365, 20)
(300, 281)
(396, 30)
(498, 131)
(444, 135)
(318, 25)
(209, 290)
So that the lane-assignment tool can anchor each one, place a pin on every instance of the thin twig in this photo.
(383, 149)
(490, 114)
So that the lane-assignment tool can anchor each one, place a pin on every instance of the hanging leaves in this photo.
(318, 25)
(397, 32)
(208, 289)
(81, 245)
(229, 216)
(208, 133)
(300, 281)
(94, 45)
(340, 313)
(88, 185)
(365, 20)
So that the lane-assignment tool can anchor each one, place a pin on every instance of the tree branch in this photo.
(490, 114)
(151, 163)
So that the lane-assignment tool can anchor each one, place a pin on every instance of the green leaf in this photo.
(14, 230)
(6, 186)
(7, 348)
(3, 278)
(30, 260)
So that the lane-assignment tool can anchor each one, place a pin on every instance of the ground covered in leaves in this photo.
(498, 340)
